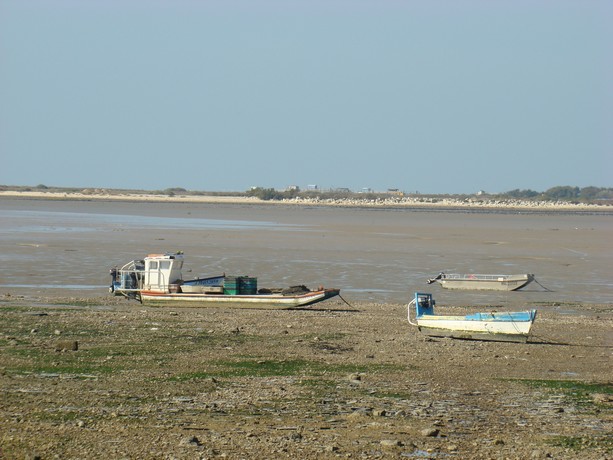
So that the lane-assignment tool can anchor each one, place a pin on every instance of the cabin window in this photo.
(164, 264)
(153, 265)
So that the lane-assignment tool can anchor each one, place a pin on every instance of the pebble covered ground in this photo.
(111, 378)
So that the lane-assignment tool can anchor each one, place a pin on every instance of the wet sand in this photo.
(371, 254)
(335, 380)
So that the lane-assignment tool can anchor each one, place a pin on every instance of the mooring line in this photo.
(547, 289)
(348, 304)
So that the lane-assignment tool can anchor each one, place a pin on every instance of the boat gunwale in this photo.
(485, 277)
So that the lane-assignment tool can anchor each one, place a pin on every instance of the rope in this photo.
(544, 340)
(547, 289)
(541, 340)
(347, 303)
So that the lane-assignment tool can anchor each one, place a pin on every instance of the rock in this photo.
(430, 432)
(602, 398)
(190, 441)
(67, 345)
(390, 443)
(359, 413)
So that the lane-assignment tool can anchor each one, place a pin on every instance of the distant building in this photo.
(293, 188)
(312, 187)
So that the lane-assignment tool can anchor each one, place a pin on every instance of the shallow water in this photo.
(381, 255)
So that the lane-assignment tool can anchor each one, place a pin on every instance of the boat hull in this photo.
(243, 301)
(486, 283)
(501, 327)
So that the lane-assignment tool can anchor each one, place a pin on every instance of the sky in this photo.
(433, 96)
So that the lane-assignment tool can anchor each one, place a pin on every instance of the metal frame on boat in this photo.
(158, 277)
(491, 326)
(483, 282)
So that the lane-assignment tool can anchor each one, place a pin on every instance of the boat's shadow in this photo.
(565, 344)
(324, 309)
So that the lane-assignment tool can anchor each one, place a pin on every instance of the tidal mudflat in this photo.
(84, 375)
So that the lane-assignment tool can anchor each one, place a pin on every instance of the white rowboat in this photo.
(483, 282)
(492, 326)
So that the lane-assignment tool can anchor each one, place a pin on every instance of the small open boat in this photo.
(493, 326)
(158, 277)
(483, 282)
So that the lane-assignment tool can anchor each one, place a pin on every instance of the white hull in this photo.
(244, 301)
(458, 327)
(486, 282)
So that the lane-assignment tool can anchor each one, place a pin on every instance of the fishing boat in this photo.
(492, 326)
(158, 277)
(483, 282)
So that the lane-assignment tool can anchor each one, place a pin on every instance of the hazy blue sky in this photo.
(429, 95)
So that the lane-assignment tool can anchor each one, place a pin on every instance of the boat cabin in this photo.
(156, 272)
(162, 270)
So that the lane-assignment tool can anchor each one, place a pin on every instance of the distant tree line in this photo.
(559, 193)
(563, 193)
(268, 194)
(272, 194)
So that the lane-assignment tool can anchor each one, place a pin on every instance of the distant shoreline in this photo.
(391, 202)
